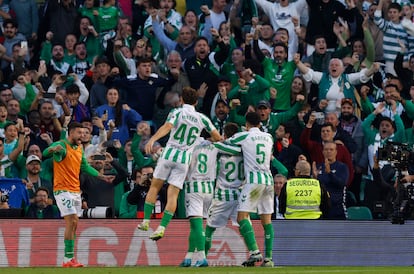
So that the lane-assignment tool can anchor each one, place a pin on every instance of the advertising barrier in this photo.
(104, 242)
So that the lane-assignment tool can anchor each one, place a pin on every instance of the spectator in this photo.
(315, 149)
(375, 137)
(13, 110)
(171, 23)
(140, 93)
(5, 93)
(270, 121)
(121, 115)
(57, 64)
(185, 40)
(314, 204)
(203, 67)
(322, 16)
(251, 89)
(285, 151)
(280, 15)
(335, 84)
(333, 175)
(341, 136)
(103, 82)
(393, 31)
(278, 71)
(53, 13)
(353, 125)
(81, 65)
(41, 208)
(97, 192)
(33, 180)
(17, 65)
(279, 181)
(107, 17)
(12, 37)
(90, 37)
(78, 110)
(49, 122)
(7, 168)
(377, 34)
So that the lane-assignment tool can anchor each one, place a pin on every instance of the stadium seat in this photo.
(359, 213)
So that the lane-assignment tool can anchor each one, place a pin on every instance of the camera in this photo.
(99, 212)
(400, 156)
(99, 157)
(147, 179)
(110, 143)
(4, 198)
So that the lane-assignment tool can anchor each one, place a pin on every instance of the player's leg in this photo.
(265, 210)
(69, 205)
(247, 205)
(150, 199)
(170, 207)
(266, 220)
(209, 238)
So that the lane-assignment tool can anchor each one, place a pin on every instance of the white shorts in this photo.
(258, 198)
(197, 204)
(69, 203)
(173, 173)
(220, 212)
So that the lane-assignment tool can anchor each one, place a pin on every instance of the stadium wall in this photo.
(110, 242)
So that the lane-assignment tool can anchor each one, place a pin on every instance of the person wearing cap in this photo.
(270, 121)
(313, 199)
(33, 179)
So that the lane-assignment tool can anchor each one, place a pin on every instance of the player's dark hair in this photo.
(253, 119)
(74, 125)
(189, 96)
(230, 129)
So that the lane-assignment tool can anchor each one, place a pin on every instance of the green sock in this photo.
(166, 218)
(69, 248)
(191, 240)
(209, 236)
(148, 208)
(196, 225)
(269, 236)
(246, 230)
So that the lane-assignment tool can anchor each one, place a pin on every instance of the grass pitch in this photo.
(211, 270)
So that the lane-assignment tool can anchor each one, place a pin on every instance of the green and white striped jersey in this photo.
(187, 126)
(201, 174)
(257, 147)
(230, 177)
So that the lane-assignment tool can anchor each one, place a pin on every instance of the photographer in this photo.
(134, 200)
(379, 129)
(97, 192)
(4, 201)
